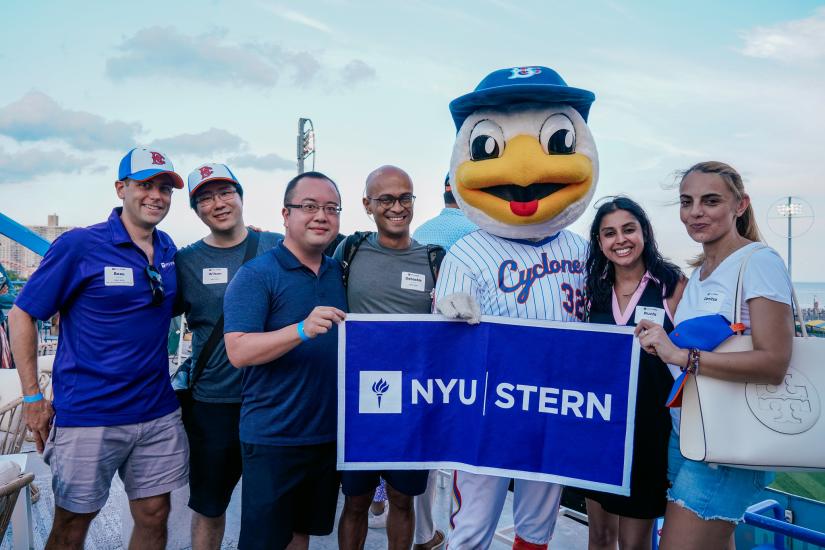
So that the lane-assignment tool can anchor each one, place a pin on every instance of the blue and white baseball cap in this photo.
(141, 164)
(521, 85)
(206, 173)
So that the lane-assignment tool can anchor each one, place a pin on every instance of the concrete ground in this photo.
(111, 529)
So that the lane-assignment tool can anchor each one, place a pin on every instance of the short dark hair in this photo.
(193, 196)
(290, 187)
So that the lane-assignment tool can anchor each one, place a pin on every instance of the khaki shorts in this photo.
(151, 457)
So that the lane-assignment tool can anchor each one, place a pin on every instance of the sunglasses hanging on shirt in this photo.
(156, 284)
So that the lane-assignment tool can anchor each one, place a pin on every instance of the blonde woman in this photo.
(706, 501)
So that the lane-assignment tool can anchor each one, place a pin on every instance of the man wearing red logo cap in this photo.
(114, 285)
(212, 413)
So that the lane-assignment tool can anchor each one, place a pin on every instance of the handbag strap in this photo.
(217, 331)
(737, 304)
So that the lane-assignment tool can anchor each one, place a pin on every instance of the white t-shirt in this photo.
(765, 276)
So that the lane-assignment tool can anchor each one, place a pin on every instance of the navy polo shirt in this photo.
(112, 366)
(291, 400)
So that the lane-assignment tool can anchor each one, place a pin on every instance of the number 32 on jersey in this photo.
(573, 301)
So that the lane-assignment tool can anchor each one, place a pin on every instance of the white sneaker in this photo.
(379, 521)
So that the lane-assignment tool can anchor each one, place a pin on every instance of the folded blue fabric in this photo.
(704, 333)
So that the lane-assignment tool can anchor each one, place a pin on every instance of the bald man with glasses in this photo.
(390, 273)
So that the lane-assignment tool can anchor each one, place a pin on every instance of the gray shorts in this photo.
(151, 457)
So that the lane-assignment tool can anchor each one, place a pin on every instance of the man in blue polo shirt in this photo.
(114, 409)
(280, 326)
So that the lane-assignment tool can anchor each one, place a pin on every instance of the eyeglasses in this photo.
(156, 284)
(313, 208)
(387, 201)
(208, 199)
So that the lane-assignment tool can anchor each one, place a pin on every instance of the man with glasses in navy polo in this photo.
(281, 312)
(114, 410)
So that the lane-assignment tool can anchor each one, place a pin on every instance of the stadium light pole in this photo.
(305, 143)
(789, 210)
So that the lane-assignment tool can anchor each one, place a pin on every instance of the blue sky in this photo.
(676, 83)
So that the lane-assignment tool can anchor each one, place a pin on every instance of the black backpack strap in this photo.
(435, 254)
(217, 331)
(351, 246)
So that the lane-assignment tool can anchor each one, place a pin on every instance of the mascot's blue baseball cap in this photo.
(521, 85)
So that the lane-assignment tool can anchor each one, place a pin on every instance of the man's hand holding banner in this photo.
(535, 400)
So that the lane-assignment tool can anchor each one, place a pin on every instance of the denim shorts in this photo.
(712, 491)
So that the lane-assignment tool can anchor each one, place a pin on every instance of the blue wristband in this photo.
(33, 398)
(301, 334)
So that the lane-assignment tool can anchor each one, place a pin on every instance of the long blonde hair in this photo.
(746, 223)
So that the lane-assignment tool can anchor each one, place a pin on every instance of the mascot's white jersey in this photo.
(518, 278)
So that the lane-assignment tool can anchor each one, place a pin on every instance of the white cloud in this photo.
(261, 162)
(28, 164)
(36, 117)
(214, 140)
(213, 58)
(301, 19)
(793, 41)
(166, 52)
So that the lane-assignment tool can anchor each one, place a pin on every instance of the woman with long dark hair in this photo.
(628, 280)
(707, 501)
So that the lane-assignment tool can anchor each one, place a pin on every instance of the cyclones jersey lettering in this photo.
(516, 278)
(526, 277)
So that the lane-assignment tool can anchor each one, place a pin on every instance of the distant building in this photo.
(22, 260)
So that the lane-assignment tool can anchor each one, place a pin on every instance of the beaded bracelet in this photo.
(692, 366)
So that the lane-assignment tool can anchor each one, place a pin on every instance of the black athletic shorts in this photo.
(215, 463)
(286, 490)
(407, 482)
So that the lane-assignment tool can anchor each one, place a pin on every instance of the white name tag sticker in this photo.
(413, 281)
(215, 275)
(712, 301)
(654, 314)
(118, 276)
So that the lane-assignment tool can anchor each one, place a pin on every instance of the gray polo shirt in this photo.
(386, 280)
(204, 272)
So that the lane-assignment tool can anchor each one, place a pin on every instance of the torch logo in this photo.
(379, 388)
(379, 392)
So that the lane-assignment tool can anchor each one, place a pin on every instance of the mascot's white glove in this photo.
(460, 306)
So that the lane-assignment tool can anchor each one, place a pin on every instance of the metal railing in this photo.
(778, 526)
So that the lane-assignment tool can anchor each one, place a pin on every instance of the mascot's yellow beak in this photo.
(525, 185)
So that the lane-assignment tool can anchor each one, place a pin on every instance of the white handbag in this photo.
(758, 426)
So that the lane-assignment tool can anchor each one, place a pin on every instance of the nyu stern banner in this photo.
(536, 400)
